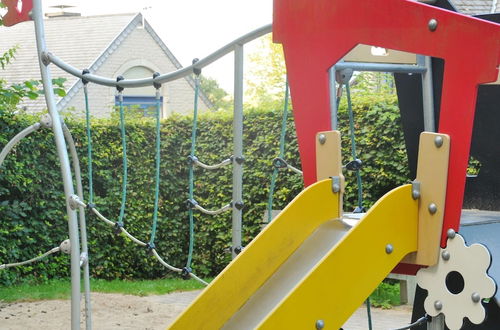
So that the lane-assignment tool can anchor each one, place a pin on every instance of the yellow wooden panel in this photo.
(363, 53)
(345, 277)
(432, 174)
(329, 160)
(261, 258)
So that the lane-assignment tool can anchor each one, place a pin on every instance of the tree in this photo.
(219, 98)
(266, 78)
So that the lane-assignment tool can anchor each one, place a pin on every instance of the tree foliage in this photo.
(266, 76)
(219, 98)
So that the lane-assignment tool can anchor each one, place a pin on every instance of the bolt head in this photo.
(445, 255)
(432, 208)
(476, 297)
(438, 305)
(415, 194)
(322, 138)
(389, 248)
(438, 141)
(451, 233)
(320, 324)
(433, 24)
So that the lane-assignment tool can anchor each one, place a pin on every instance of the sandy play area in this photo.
(115, 311)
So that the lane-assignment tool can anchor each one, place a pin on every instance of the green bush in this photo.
(32, 208)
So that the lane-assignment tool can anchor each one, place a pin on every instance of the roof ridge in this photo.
(99, 61)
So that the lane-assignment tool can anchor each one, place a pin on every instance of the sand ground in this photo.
(116, 311)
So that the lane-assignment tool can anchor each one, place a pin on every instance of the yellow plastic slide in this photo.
(308, 265)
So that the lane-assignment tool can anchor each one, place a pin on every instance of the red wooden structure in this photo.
(317, 34)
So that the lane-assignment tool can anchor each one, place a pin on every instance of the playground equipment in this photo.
(291, 276)
(295, 274)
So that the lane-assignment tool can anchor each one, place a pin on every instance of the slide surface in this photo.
(307, 265)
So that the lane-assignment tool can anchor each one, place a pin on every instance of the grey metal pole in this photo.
(237, 150)
(62, 152)
(380, 67)
(83, 226)
(427, 93)
(333, 98)
(437, 323)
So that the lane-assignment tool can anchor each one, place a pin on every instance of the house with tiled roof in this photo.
(477, 7)
(107, 45)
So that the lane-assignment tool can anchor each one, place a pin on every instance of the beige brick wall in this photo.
(138, 49)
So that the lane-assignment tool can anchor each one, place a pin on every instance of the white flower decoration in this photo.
(458, 283)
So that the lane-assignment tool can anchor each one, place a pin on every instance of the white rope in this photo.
(197, 278)
(296, 170)
(16, 139)
(172, 268)
(213, 212)
(212, 167)
(16, 264)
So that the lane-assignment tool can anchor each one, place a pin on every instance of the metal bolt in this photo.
(320, 324)
(389, 248)
(438, 141)
(451, 233)
(445, 255)
(336, 187)
(438, 305)
(432, 208)
(476, 297)
(415, 194)
(322, 138)
(433, 24)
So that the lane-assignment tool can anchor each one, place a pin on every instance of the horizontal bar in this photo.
(16, 139)
(225, 208)
(381, 67)
(212, 167)
(130, 83)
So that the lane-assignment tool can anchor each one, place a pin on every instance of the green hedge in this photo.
(32, 211)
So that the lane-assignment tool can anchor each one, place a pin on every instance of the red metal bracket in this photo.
(317, 34)
(14, 14)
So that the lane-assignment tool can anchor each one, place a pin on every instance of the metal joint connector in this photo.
(192, 159)
(279, 163)
(44, 57)
(118, 228)
(415, 190)
(343, 76)
(46, 121)
(155, 84)
(84, 259)
(335, 184)
(185, 272)
(238, 249)
(239, 205)
(239, 160)
(196, 71)
(84, 72)
(150, 247)
(191, 203)
(65, 246)
(74, 202)
(354, 165)
(119, 88)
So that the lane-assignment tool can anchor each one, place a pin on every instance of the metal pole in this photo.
(83, 225)
(333, 97)
(427, 93)
(237, 150)
(437, 323)
(62, 152)
(380, 67)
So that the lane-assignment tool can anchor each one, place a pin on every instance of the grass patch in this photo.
(61, 289)
(386, 295)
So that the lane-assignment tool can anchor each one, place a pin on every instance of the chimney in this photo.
(62, 12)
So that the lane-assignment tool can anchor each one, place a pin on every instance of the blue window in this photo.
(144, 104)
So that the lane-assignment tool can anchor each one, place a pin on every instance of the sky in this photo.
(189, 28)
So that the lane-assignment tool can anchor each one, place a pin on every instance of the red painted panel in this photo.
(14, 15)
(317, 34)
